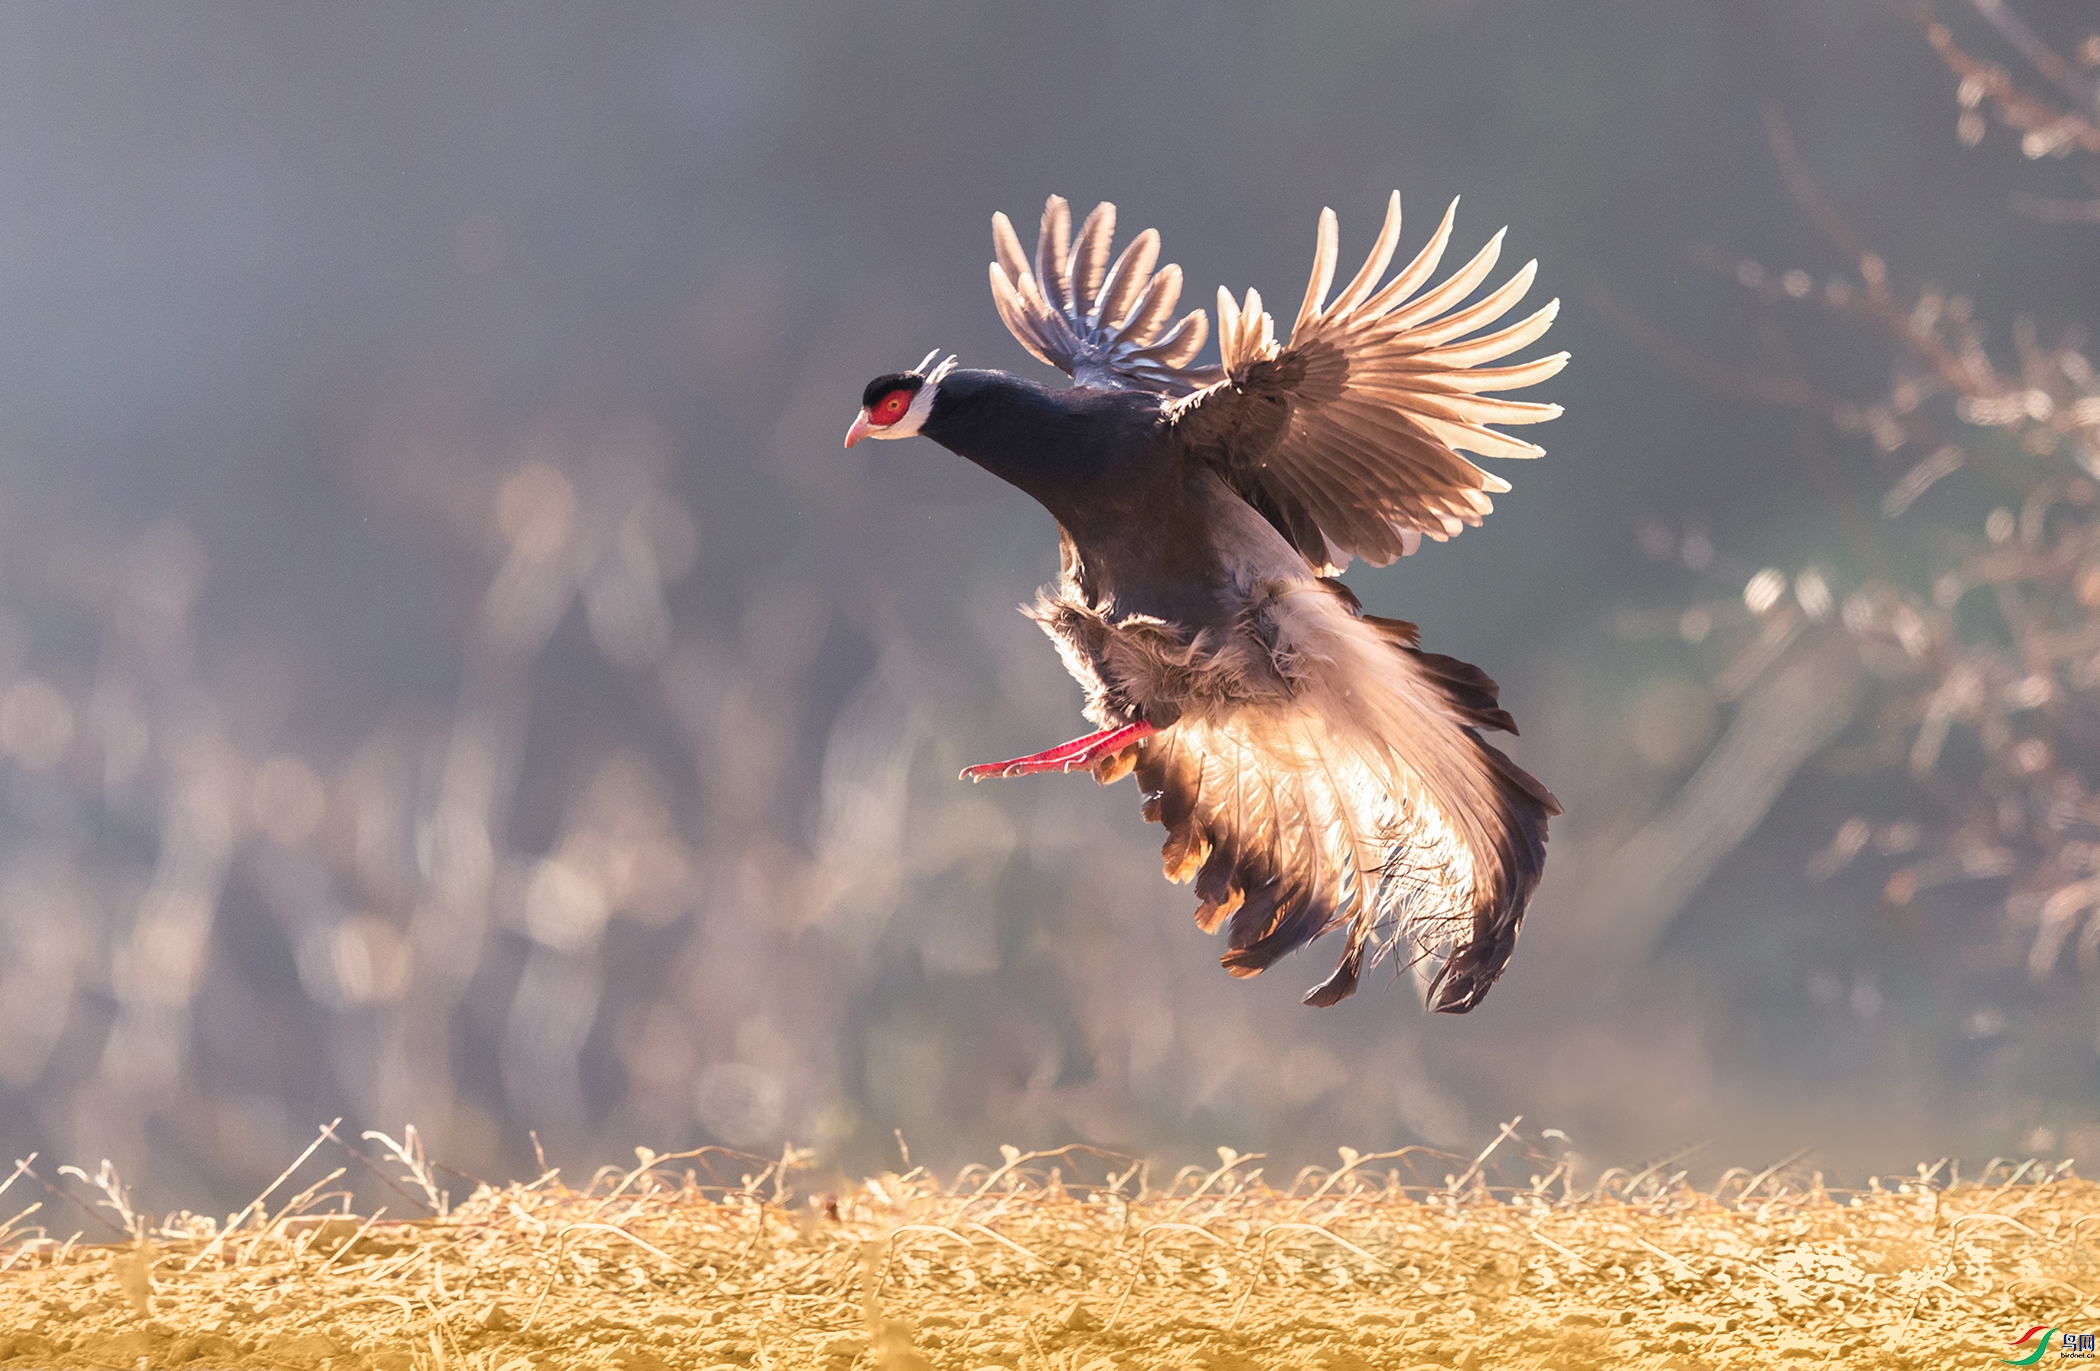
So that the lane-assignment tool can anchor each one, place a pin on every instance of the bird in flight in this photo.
(1316, 771)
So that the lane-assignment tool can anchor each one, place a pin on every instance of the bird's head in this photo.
(896, 405)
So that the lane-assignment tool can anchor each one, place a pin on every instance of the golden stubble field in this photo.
(1073, 1261)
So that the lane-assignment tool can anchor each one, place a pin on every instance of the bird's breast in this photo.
(1174, 611)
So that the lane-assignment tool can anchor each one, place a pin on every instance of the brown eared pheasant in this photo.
(1315, 770)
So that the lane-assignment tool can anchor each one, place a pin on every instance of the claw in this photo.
(1078, 755)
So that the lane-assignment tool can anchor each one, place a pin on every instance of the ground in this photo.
(1027, 1265)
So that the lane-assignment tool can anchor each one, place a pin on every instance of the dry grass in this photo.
(1066, 1261)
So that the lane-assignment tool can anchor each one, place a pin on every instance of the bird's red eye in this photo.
(889, 409)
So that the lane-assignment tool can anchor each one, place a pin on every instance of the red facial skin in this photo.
(887, 411)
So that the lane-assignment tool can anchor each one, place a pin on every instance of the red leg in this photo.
(1077, 755)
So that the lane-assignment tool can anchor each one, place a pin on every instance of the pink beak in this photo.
(859, 430)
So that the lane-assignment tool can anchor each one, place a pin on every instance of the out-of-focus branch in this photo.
(1782, 722)
(2043, 58)
(2044, 130)
(2046, 210)
(1960, 371)
(1786, 391)
(1877, 304)
(2016, 801)
(1810, 196)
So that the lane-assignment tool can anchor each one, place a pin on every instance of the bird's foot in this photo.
(1078, 755)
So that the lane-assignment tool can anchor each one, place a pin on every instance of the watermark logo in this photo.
(2069, 1346)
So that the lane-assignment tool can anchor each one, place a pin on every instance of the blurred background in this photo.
(451, 674)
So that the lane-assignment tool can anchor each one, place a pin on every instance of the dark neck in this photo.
(1057, 445)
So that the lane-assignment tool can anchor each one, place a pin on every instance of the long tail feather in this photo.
(1367, 801)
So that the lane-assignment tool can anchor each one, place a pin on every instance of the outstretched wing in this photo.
(1368, 803)
(1349, 439)
(1101, 325)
